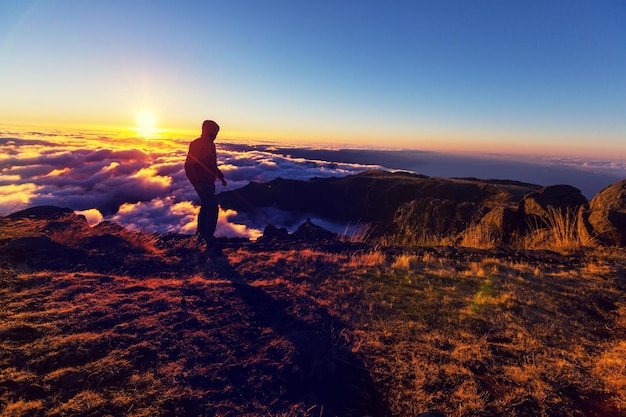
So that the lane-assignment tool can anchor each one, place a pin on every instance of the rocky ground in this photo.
(99, 321)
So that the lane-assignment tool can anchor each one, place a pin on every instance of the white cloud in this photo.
(93, 216)
(226, 227)
(16, 197)
(162, 215)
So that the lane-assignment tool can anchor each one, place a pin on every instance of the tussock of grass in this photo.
(558, 231)
(358, 233)
(480, 237)
(405, 262)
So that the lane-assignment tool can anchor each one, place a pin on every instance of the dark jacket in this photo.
(201, 162)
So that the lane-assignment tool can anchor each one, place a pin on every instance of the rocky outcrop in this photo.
(58, 238)
(273, 233)
(41, 212)
(499, 224)
(455, 207)
(389, 201)
(494, 217)
(606, 218)
(306, 232)
(416, 206)
(309, 232)
(536, 208)
(370, 197)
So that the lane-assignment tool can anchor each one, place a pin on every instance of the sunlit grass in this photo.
(559, 231)
(443, 329)
(464, 331)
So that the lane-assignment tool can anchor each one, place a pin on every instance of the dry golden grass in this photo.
(480, 237)
(405, 262)
(359, 233)
(366, 260)
(496, 337)
(465, 331)
(610, 367)
(21, 408)
(559, 232)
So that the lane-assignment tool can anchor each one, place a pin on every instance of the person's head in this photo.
(210, 129)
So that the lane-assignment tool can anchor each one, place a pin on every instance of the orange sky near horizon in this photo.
(437, 141)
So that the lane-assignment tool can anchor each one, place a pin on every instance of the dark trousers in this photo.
(207, 219)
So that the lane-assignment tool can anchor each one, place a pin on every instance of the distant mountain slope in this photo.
(372, 196)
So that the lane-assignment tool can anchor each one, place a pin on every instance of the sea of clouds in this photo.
(141, 183)
(138, 183)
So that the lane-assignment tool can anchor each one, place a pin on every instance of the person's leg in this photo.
(211, 212)
(207, 218)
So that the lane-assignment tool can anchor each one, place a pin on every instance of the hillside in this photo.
(371, 197)
(414, 209)
(100, 321)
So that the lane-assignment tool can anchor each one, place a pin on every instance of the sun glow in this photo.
(146, 124)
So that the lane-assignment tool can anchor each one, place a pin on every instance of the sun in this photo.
(146, 124)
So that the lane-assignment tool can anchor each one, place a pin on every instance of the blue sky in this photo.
(474, 76)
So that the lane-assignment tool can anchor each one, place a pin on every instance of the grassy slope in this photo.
(309, 331)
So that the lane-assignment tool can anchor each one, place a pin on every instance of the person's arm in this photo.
(220, 176)
(218, 173)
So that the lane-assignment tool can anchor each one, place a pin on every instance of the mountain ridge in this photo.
(416, 208)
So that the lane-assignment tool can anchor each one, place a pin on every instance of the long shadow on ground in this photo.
(317, 368)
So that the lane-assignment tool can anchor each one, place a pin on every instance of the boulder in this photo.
(607, 215)
(271, 233)
(501, 220)
(306, 232)
(585, 229)
(535, 208)
(309, 232)
(560, 197)
(494, 228)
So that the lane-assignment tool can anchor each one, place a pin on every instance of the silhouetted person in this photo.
(202, 171)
